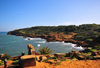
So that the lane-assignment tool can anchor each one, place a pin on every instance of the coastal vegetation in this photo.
(45, 50)
(89, 33)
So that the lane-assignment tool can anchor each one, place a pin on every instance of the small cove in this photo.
(14, 45)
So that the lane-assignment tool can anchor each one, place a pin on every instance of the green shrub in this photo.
(97, 47)
(15, 62)
(7, 56)
(45, 50)
(54, 57)
(1, 62)
(93, 50)
(63, 59)
(90, 57)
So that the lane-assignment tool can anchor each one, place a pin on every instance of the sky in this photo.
(16, 14)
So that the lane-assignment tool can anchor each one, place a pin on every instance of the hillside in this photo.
(88, 33)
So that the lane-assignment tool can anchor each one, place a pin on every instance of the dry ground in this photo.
(66, 64)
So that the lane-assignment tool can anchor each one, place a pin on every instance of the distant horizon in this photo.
(17, 14)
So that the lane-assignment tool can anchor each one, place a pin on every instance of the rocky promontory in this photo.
(83, 35)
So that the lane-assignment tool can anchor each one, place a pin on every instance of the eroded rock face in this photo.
(31, 49)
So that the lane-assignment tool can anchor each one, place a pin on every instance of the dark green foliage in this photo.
(7, 56)
(1, 62)
(15, 62)
(45, 50)
(97, 47)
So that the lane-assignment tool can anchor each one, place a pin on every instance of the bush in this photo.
(97, 47)
(7, 56)
(15, 62)
(45, 50)
(1, 62)
(54, 57)
(2, 56)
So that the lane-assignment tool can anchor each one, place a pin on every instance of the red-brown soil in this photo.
(66, 64)
(71, 64)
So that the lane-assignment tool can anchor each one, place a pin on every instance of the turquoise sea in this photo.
(14, 45)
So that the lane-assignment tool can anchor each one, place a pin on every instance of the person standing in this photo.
(5, 63)
(23, 53)
(4, 59)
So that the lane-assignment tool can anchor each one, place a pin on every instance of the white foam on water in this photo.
(28, 38)
(74, 46)
(79, 48)
(36, 40)
(40, 42)
(38, 45)
(56, 42)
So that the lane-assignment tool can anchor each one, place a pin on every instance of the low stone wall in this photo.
(28, 61)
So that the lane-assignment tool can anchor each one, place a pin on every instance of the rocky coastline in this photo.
(67, 38)
(56, 60)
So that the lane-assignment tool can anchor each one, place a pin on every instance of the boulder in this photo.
(44, 58)
(59, 55)
(95, 54)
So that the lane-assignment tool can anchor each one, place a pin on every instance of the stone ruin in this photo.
(31, 49)
(28, 61)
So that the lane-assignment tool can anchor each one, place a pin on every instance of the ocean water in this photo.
(14, 45)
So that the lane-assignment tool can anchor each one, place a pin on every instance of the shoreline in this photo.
(51, 39)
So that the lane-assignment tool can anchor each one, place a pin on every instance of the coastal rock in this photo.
(31, 49)
(44, 58)
(59, 55)
(95, 54)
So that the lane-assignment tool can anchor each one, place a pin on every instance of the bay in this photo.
(14, 45)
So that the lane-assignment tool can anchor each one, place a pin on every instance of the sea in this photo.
(15, 45)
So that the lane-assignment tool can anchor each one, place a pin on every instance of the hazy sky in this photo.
(15, 14)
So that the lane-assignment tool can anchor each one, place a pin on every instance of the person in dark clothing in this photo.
(4, 59)
(40, 58)
(23, 53)
(5, 62)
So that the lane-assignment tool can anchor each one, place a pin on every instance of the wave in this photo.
(28, 38)
(40, 42)
(56, 42)
(74, 46)
(79, 48)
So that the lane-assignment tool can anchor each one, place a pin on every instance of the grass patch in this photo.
(1, 62)
(93, 50)
(15, 61)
